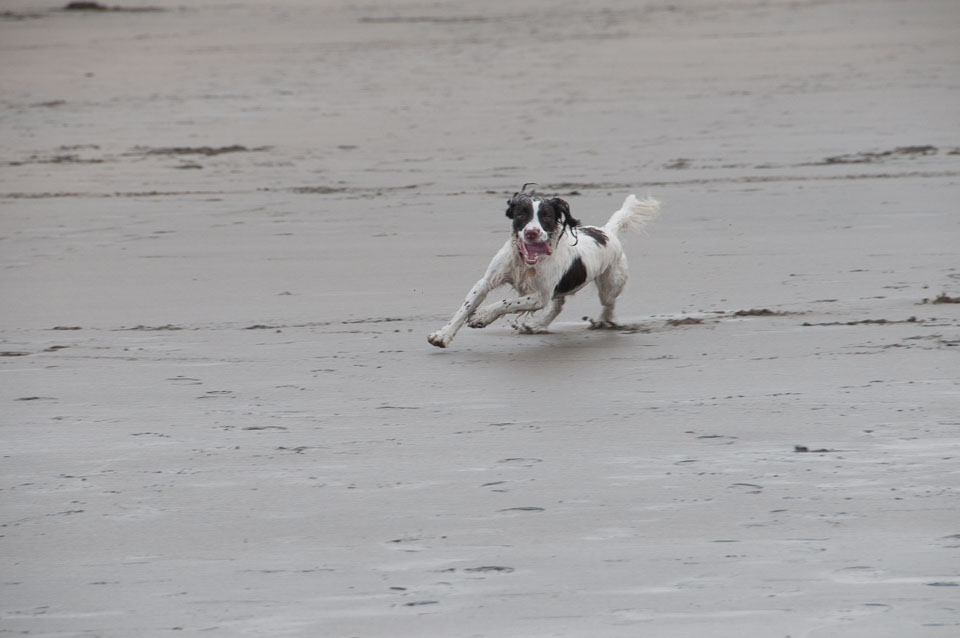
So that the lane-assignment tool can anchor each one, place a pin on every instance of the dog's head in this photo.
(538, 223)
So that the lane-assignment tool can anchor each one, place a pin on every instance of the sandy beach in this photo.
(226, 229)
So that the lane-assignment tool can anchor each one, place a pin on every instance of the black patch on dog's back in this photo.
(595, 234)
(575, 276)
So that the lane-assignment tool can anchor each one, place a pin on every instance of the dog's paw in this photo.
(439, 339)
(531, 329)
(480, 320)
(603, 324)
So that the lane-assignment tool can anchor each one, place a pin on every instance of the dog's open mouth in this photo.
(531, 252)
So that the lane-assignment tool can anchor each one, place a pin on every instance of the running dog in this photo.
(551, 255)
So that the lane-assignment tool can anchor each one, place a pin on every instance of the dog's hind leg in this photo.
(542, 323)
(610, 284)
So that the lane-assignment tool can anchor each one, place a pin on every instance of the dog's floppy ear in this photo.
(510, 208)
(564, 210)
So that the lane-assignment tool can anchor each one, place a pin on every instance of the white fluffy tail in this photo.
(633, 215)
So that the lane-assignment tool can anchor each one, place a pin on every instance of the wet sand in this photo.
(226, 230)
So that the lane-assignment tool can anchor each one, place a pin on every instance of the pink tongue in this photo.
(538, 249)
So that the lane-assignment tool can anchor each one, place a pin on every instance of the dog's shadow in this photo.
(557, 343)
(592, 324)
(609, 326)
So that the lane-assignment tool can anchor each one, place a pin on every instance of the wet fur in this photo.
(580, 254)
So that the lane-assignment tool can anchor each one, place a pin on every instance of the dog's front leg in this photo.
(442, 337)
(491, 312)
(496, 275)
(543, 323)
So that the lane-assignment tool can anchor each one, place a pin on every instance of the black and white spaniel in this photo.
(550, 255)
